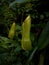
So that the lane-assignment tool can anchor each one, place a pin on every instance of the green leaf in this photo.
(18, 27)
(4, 41)
(32, 37)
(44, 37)
(19, 2)
(17, 49)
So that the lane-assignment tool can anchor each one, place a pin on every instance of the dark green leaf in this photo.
(44, 37)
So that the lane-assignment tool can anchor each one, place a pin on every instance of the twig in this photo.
(31, 56)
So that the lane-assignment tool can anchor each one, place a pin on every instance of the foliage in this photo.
(17, 11)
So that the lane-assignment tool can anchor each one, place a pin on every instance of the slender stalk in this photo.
(31, 56)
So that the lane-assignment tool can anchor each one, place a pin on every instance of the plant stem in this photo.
(31, 56)
(41, 61)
